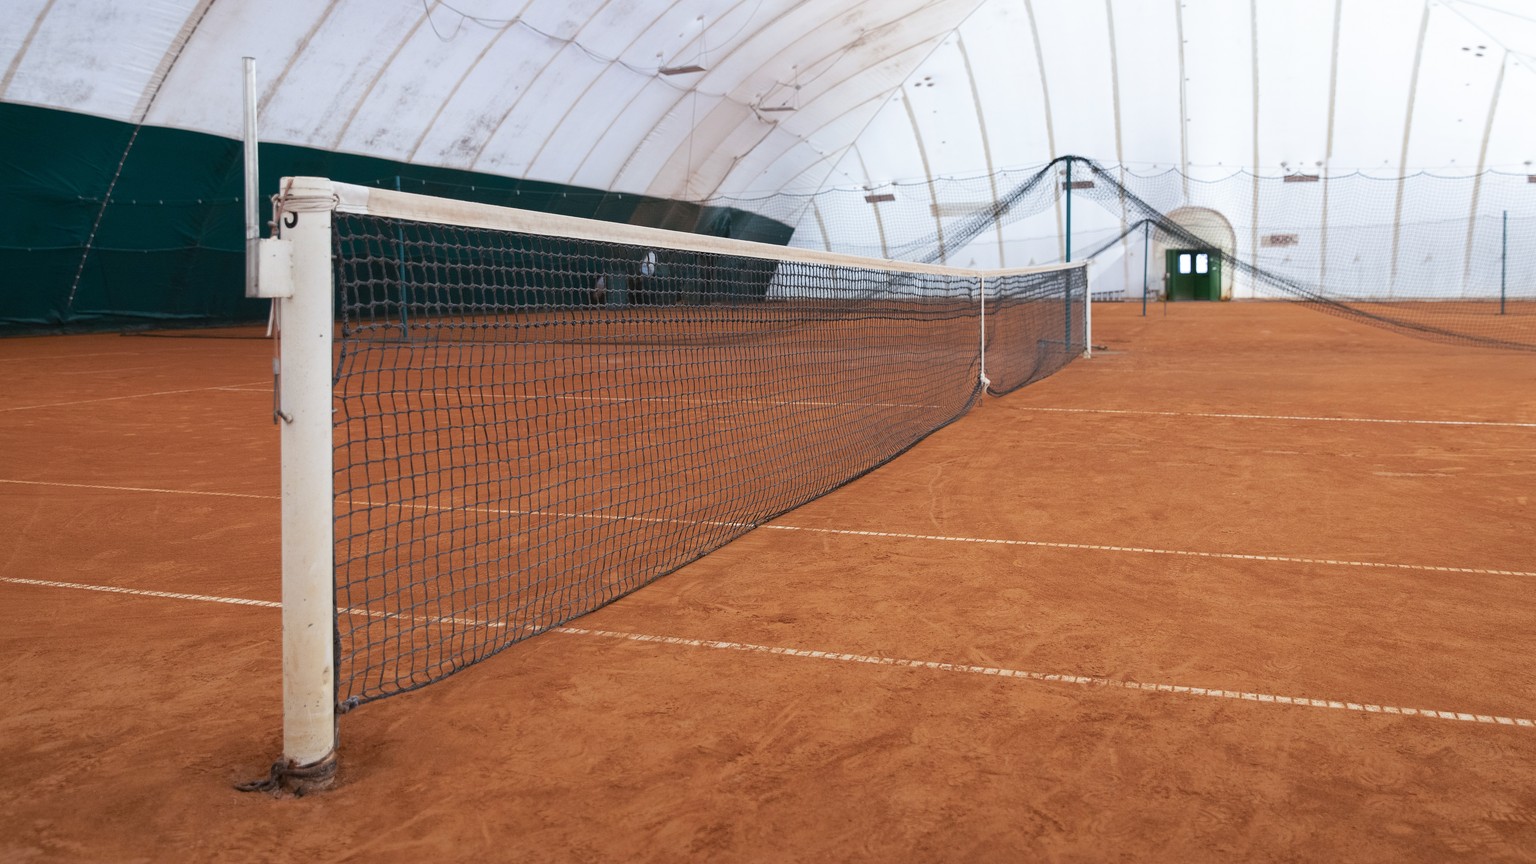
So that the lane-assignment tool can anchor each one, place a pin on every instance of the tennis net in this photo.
(529, 416)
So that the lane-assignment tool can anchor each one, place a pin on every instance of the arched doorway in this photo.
(1213, 229)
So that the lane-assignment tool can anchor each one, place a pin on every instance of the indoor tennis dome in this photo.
(1344, 150)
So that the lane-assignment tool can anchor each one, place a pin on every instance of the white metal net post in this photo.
(295, 270)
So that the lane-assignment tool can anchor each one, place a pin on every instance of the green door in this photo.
(1194, 274)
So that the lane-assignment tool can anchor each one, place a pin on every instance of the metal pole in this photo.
(982, 287)
(252, 229)
(1068, 254)
(405, 297)
(1146, 260)
(1069, 211)
(309, 600)
(1087, 312)
(1503, 260)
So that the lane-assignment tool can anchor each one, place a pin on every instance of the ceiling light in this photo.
(680, 70)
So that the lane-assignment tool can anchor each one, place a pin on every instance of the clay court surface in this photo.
(1255, 583)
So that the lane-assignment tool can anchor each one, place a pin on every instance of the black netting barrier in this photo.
(1036, 324)
(1448, 258)
(528, 428)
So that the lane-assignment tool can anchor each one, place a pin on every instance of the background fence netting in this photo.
(529, 427)
(1449, 258)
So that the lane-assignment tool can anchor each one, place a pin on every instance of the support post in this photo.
(252, 213)
(1068, 238)
(309, 596)
(405, 294)
(1087, 312)
(1146, 260)
(1503, 261)
(981, 284)
(1067, 255)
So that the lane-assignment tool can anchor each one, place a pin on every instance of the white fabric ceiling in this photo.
(868, 91)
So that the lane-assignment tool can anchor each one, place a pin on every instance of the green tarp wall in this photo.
(170, 244)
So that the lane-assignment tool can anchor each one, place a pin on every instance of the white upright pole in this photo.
(981, 283)
(309, 601)
(1087, 312)
(252, 214)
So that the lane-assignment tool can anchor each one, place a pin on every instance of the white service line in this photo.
(141, 592)
(1065, 678)
(1283, 417)
(70, 356)
(848, 532)
(1139, 550)
(864, 659)
(140, 489)
(130, 396)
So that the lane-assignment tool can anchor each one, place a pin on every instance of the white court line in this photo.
(112, 369)
(141, 592)
(1094, 547)
(140, 489)
(1284, 417)
(865, 659)
(70, 356)
(130, 396)
(848, 532)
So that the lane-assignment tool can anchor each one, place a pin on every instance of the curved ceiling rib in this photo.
(431, 124)
(808, 25)
(569, 91)
(829, 93)
(1402, 163)
(341, 134)
(496, 129)
(26, 45)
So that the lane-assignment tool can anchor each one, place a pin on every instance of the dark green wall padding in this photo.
(170, 247)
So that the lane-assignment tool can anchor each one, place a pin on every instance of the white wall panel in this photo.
(94, 57)
(567, 91)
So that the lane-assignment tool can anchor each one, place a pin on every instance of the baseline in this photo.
(1294, 418)
(867, 659)
(230, 387)
(849, 532)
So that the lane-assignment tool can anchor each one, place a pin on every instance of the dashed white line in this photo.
(849, 532)
(152, 489)
(1140, 550)
(70, 356)
(1065, 678)
(119, 398)
(1296, 418)
(142, 592)
(846, 657)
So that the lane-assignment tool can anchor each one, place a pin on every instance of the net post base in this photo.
(295, 780)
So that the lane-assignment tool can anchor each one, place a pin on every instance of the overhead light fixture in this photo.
(880, 198)
(680, 70)
(775, 107)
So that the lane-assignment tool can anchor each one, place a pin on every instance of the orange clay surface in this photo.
(151, 464)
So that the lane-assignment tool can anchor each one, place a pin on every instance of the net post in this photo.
(1146, 258)
(308, 527)
(1087, 312)
(252, 216)
(1067, 255)
(405, 295)
(981, 287)
(1503, 260)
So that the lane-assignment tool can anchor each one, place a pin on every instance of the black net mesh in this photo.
(1449, 258)
(528, 427)
(1036, 324)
